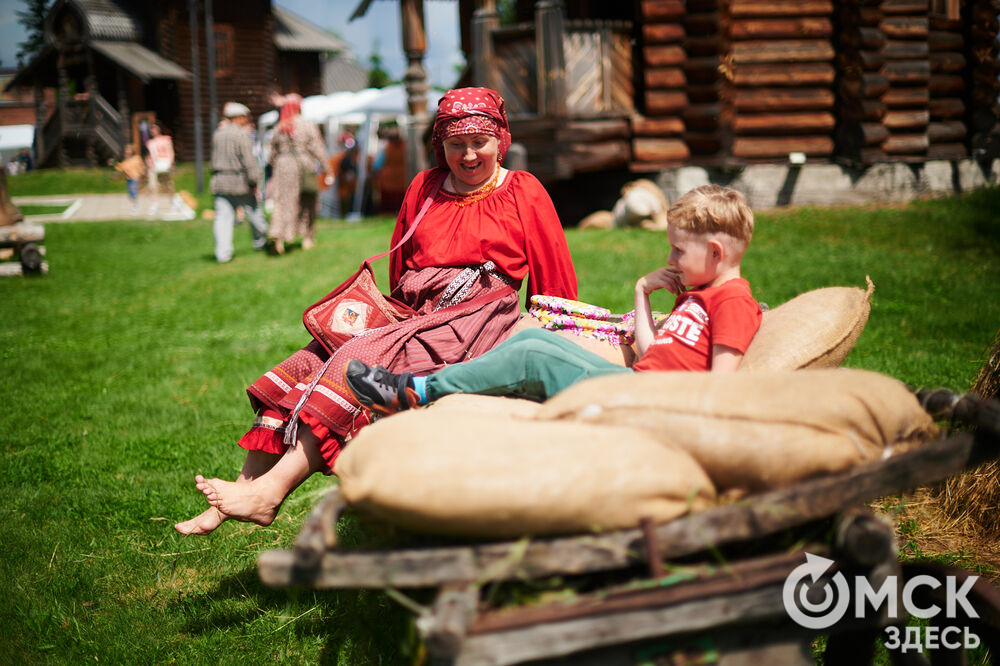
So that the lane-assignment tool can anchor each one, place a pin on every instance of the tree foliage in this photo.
(378, 77)
(33, 20)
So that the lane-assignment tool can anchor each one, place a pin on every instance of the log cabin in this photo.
(654, 84)
(114, 62)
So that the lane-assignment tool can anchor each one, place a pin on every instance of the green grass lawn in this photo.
(125, 369)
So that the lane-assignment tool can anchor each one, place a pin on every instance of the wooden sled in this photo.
(719, 600)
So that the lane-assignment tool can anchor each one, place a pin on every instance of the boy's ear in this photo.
(716, 249)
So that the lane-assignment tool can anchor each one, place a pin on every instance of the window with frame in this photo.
(225, 50)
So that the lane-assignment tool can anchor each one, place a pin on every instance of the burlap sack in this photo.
(496, 477)
(756, 430)
(817, 329)
(487, 405)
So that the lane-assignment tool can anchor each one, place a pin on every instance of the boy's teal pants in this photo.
(534, 364)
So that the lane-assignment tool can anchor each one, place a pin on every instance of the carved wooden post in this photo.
(40, 110)
(550, 31)
(484, 21)
(124, 110)
(62, 159)
(90, 85)
(415, 80)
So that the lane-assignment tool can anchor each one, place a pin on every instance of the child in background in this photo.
(133, 168)
(714, 318)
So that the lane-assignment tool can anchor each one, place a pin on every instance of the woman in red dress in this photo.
(485, 232)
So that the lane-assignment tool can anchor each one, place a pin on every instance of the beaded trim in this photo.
(458, 289)
(462, 200)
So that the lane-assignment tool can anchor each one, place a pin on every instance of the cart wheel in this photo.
(31, 258)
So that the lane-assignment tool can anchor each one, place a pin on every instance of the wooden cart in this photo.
(26, 242)
(719, 600)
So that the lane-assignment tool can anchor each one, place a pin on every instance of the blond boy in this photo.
(714, 318)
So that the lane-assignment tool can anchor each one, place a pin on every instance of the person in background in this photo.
(235, 176)
(160, 161)
(133, 168)
(296, 149)
(483, 231)
(389, 172)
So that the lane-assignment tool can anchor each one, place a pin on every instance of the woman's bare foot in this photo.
(254, 501)
(202, 524)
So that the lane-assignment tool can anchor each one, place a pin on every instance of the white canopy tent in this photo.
(367, 109)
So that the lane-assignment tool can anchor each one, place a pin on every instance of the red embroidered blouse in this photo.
(516, 227)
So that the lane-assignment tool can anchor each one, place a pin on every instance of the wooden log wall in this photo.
(905, 25)
(861, 83)
(946, 131)
(781, 72)
(981, 50)
(658, 135)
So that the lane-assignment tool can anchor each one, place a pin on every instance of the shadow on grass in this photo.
(353, 626)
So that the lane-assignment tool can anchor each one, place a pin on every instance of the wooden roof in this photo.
(294, 33)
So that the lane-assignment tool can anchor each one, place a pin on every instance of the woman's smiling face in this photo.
(471, 157)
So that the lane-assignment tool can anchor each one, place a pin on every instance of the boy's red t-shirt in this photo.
(724, 315)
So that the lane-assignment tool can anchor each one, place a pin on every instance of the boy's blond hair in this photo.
(713, 209)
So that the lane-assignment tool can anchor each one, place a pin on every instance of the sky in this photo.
(378, 29)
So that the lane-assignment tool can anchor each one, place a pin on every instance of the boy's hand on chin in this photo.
(662, 278)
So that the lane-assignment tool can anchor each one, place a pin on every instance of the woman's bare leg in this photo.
(257, 500)
(257, 464)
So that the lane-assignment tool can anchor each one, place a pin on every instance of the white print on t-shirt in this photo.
(685, 323)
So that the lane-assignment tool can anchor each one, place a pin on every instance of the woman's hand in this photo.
(662, 278)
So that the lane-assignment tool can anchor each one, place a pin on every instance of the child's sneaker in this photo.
(380, 390)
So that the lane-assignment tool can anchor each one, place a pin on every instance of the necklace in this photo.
(472, 197)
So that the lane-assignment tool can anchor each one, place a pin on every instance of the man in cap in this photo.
(235, 176)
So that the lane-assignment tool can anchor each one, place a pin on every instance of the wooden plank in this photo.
(906, 144)
(657, 127)
(783, 99)
(664, 56)
(907, 72)
(781, 28)
(566, 638)
(789, 50)
(589, 131)
(869, 39)
(792, 74)
(906, 98)
(780, 123)
(864, 85)
(752, 518)
(702, 117)
(454, 610)
(871, 110)
(947, 63)
(900, 50)
(22, 232)
(599, 156)
(662, 33)
(947, 151)
(940, 40)
(871, 61)
(665, 102)
(907, 120)
(756, 147)
(662, 10)
(758, 8)
(704, 143)
(946, 85)
(659, 150)
(665, 77)
(705, 69)
(905, 27)
(948, 131)
(948, 107)
(899, 7)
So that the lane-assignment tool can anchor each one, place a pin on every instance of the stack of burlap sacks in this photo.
(610, 451)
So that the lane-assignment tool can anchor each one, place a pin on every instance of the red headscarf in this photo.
(291, 107)
(470, 111)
